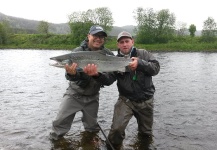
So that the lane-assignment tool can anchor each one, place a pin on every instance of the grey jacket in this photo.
(81, 83)
(141, 87)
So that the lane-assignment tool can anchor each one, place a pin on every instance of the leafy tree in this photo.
(154, 27)
(209, 30)
(7, 27)
(43, 27)
(165, 26)
(80, 22)
(79, 31)
(192, 30)
(3, 34)
(103, 17)
(146, 28)
(181, 29)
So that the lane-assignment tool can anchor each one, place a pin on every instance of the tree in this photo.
(146, 28)
(79, 31)
(43, 27)
(181, 29)
(209, 30)
(154, 27)
(3, 34)
(192, 30)
(165, 26)
(80, 22)
(103, 17)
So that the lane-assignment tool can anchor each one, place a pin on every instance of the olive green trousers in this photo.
(123, 111)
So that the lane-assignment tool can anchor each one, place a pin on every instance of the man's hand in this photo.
(134, 63)
(71, 69)
(91, 70)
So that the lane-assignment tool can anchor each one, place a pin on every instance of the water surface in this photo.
(185, 113)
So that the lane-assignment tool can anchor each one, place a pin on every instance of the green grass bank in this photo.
(63, 42)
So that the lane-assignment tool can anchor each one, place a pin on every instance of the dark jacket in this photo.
(81, 83)
(142, 88)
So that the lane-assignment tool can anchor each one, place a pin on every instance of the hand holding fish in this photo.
(133, 65)
(71, 69)
(91, 70)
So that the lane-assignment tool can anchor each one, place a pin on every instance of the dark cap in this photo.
(96, 29)
(124, 34)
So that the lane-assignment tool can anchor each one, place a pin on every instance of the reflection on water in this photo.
(185, 103)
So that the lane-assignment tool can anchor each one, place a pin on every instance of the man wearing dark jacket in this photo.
(136, 90)
(83, 91)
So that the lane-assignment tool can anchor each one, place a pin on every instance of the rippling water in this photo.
(185, 114)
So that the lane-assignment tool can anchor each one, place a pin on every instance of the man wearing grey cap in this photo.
(136, 92)
(83, 91)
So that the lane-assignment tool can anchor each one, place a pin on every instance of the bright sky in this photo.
(57, 11)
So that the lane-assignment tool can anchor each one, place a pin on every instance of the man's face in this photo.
(96, 40)
(125, 44)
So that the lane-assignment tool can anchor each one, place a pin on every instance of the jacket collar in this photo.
(133, 53)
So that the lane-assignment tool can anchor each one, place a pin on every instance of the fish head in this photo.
(61, 61)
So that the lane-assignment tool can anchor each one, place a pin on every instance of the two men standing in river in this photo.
(135, 87)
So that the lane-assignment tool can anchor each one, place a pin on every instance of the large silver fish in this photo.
(104, 62)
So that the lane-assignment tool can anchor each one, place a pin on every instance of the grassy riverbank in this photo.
(182, 47)
(63, 42)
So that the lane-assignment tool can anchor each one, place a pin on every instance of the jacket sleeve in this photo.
(148, 64)
(80, 79)
(106, 78)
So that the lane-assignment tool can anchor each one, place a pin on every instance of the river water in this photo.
(185, 107)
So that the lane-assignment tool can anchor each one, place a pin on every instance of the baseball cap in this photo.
(124, 34)
(96, 29)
